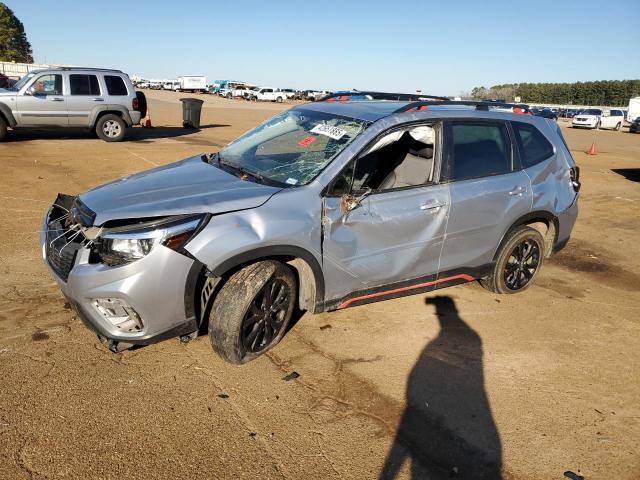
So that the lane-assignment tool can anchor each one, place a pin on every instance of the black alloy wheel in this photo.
(265, 317)
(522, 264)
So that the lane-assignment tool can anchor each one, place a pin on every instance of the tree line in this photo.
(14, 46)
(600, 92)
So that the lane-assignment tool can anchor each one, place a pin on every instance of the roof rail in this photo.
(367, 95)
(92, 69)
(424, 105)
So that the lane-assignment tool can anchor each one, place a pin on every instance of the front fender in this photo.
(6, 112)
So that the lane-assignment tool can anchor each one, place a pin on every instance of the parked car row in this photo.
(192, 83)
(268, 94)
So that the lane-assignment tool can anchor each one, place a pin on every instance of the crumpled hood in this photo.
(184, 187)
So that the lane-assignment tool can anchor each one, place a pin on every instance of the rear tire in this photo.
(251, 312)
(517, 263)
(111, 128)
(279, 99)
(3, 128)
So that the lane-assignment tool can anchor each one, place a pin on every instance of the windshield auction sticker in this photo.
(331, 132)
(306, 141)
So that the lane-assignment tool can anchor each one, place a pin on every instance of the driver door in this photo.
(384, 242)
(43, 102)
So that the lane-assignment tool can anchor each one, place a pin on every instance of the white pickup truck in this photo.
(265, 94)
(238, 91)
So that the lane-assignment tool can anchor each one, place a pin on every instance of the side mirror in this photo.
(351, 202)
(30, 91)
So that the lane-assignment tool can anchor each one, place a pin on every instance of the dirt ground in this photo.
(458, 383)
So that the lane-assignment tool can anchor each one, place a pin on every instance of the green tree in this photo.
(14, 46)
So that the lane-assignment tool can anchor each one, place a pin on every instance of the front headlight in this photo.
(128, 245)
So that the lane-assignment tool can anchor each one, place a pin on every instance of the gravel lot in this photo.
(531, 385)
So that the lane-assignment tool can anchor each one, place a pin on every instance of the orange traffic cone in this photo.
(147, 119)
(592, 150)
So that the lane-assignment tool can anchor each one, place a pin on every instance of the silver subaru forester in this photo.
(349, 200)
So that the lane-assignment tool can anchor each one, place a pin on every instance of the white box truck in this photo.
(634, 109)
(193, 83)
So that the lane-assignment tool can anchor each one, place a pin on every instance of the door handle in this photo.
(57, 99)
(518, 191)
(98, 99)
(432, 207)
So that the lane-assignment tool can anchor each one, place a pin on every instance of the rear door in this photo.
(85, 93)
(489, 192)
(43, 102)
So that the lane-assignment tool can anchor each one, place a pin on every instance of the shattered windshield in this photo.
(292, 147)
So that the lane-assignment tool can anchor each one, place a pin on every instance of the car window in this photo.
(48, 85)
(532, 144)
(84, 84)
(115, 85)
(478, 150)
(403, 158)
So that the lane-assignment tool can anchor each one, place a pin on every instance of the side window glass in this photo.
(115, 85)
(84, 84)
(48, 85)
(532, 145)
(401, 159)
(479, 150)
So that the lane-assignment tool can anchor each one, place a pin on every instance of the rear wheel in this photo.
(3, 128)
(111, 128)
(279, 99)
(518, 262)
(251, 312)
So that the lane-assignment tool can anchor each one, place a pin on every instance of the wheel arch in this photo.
(7, 114)
(304, 263)
(103, 110)
(543, 221)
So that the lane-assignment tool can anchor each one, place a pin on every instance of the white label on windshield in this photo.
(331, 132)
(291, 181)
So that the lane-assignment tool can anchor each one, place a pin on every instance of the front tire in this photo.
(3, 128)
(518, 262)
(111, 128)
(251, 312)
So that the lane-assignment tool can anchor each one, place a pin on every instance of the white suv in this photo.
(104, 100)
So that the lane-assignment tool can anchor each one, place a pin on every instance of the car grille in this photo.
(62, 247)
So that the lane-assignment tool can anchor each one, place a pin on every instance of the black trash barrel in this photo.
(191, 108)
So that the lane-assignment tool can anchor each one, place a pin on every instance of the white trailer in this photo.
(634, 109)
(193, 83)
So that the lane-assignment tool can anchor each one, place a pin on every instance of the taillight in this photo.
(574, 173)
(134, 104)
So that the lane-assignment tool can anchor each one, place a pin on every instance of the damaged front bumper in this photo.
(134, 304)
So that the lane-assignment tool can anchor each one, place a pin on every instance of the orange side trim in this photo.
(461, 276)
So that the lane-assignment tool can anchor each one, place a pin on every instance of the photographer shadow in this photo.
(447, 426)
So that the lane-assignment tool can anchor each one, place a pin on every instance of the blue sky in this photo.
(442, 47)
